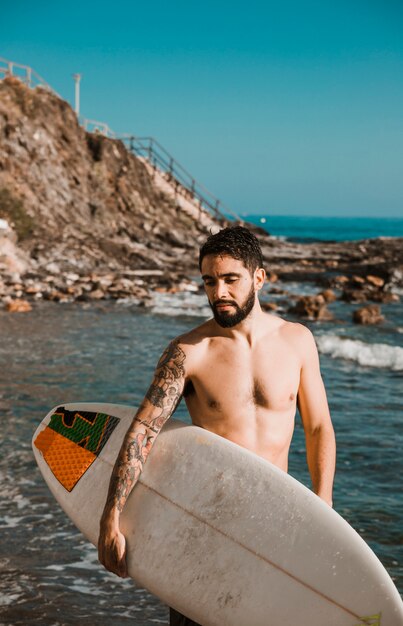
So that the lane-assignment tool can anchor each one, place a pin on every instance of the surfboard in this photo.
(215, 531)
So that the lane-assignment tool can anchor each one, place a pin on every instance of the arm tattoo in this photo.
(166, 389)
(128, 468)
(164, 394)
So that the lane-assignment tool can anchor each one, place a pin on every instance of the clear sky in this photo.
(292, 107)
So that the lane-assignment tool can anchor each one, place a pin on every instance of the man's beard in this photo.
(227, 319)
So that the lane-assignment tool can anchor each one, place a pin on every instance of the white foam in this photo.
(182, 303)
(372, 355)
(83, 586)
(11, 599)
(9, 522)
(296, 288)
(22, 502)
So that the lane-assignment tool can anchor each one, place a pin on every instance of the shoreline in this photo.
(369, 272)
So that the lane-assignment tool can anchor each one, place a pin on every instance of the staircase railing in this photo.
(184, 183)
(24, 73)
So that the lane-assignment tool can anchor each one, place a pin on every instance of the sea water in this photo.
(306, 228)
(106, 352)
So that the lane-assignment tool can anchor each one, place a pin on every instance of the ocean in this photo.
(307, 229)
(107, 352)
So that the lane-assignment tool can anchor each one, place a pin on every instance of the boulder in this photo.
(341, 280)
(370, 314)
(357, 281)
(18, 306)
(386, 297)
(328, 295)
(96, 294)
(311, 307)
(272, 277)
(353, 295)
(376, 281)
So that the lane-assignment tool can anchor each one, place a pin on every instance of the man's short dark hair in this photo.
(237, 242)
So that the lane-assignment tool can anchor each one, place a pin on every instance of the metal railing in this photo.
(100, 128)
(25, 74)
(181, 180)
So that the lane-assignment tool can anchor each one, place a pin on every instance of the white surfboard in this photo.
(215, 531)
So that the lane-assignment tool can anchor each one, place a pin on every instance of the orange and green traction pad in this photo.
(71, 442)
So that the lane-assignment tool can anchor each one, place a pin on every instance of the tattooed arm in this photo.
(159, 404)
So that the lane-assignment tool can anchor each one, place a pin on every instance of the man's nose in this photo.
(221, 290)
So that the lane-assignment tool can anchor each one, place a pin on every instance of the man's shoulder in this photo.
(192, 345)
(301, 340)
(195, 337)
(293, 330)
(298, 335)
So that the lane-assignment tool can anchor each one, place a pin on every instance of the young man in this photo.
(241, 373)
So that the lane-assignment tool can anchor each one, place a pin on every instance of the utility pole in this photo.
(77, 78)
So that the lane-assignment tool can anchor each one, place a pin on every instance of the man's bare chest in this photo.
(229, 378)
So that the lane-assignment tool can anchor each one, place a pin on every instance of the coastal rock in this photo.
(328, 295)
(357, 281)
(272, 277)
(386, 297)
(370, 314)
(376, 281)
(12, 259)
(18, 306)
(341, 280)
(311, 307)
(354, 295)
(269, 306)
(278, 291)
(33, 289)
(396, 275)
(97, 294)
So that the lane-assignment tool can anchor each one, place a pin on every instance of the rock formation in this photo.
(370, 314)
(80, 200)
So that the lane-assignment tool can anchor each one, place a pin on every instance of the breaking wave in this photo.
(370, 355)
(185, 303)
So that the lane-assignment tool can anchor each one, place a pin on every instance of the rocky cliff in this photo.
(80, 200)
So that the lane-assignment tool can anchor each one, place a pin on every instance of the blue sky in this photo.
(278, 108)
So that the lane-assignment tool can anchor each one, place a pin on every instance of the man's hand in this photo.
(112, 548)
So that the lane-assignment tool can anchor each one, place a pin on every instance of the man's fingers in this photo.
(122, 572)
(118, 561)
(112, 555)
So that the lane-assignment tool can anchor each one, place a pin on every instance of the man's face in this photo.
(230, 289)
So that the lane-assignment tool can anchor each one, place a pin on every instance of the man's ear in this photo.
(259, 278)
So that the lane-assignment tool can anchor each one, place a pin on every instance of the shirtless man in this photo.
(241, 373)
